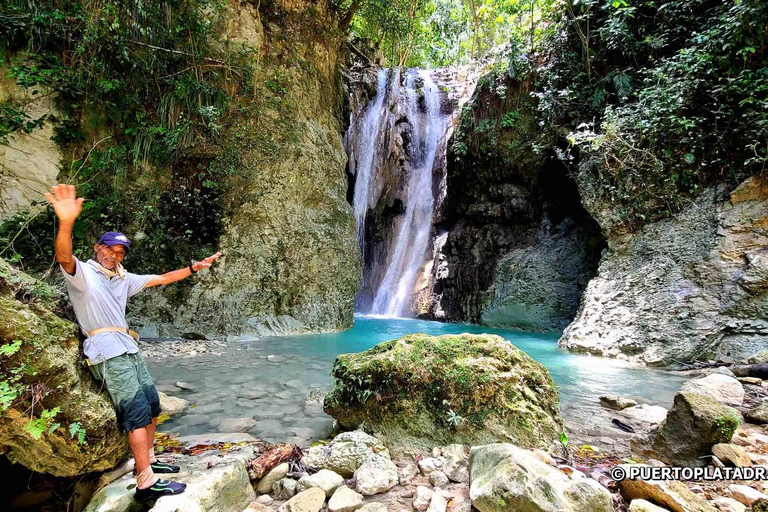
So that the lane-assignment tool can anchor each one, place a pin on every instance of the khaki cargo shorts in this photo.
(131, 389)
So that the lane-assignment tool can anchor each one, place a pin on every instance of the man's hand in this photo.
(65, 202)
(205, 263)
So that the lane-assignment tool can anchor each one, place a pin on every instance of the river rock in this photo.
(257, 507)
(345, 454)
(265, 499)
(438, 479)
(51, 344)
(310, 500)
(745, 494)
(284, 489)
(732, 454)
(422, 498)
(277, 473)
(407, 473)
(759, 414)
(616, 403)
(236, 424)
(505, 477)
(403, 410)
(721, 388)
(345, 500)
(438, 503)
(645, 506)
(671, 494)
(456, 466)
(374, 507)
(645, 413)
(186, 386)
(694, 424)
(376, 474)
(724, 504)
(172, 405)
(223, 486)
(325, 479)
(430, 464)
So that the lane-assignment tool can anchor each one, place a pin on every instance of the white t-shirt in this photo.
(99, 301)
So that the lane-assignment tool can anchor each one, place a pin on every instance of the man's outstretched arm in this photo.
(182, 273)
(67, 207)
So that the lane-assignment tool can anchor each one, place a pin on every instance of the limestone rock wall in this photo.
(515, 247)
(290, 263)
(689, 287)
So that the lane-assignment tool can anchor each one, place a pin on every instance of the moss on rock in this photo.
(46, 373)
(419, 391)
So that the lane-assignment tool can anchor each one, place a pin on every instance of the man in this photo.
(99, 289)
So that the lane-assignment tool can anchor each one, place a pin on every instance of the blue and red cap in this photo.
(114, 238)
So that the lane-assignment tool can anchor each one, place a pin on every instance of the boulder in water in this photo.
(421, 391)
(693, 426)
(722, 388)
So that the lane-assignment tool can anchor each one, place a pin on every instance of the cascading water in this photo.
(413, 235)
(369, 126)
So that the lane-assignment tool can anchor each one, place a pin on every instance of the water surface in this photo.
(244, 383)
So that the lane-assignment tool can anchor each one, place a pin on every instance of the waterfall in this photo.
(370, 127)
(413, 235)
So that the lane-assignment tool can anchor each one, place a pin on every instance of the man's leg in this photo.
(137, 439)
(151, 428)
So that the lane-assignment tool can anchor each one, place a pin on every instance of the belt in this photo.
(132, 334)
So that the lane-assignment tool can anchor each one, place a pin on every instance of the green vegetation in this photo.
(143, 92)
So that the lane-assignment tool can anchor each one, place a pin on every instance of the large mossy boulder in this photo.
(421, 391)
(53, 417)
(693, 426)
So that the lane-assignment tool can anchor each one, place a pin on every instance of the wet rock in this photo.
(511, 380)
(671, 494)
(644, 506)
(275, 359)
(616, 403)
(236, 424)
(722, 388)
(505, 477)
(745, 494)
(694, 424)
(438, 503)
(277, 473)
(284, 489)
(310, 500)
(376, 474)
(645, 413)
(345, 500)
(422, 498)
(172, 405)
(186, 386)
(325, 479)
(732, 454)
(345, 454)
(438, 479)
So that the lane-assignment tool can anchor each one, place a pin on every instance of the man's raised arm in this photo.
(183, 273)
(67, 207)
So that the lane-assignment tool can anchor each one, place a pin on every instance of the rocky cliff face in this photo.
(290, 259)
(515, 248)
(45, 389)
(689, 287)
